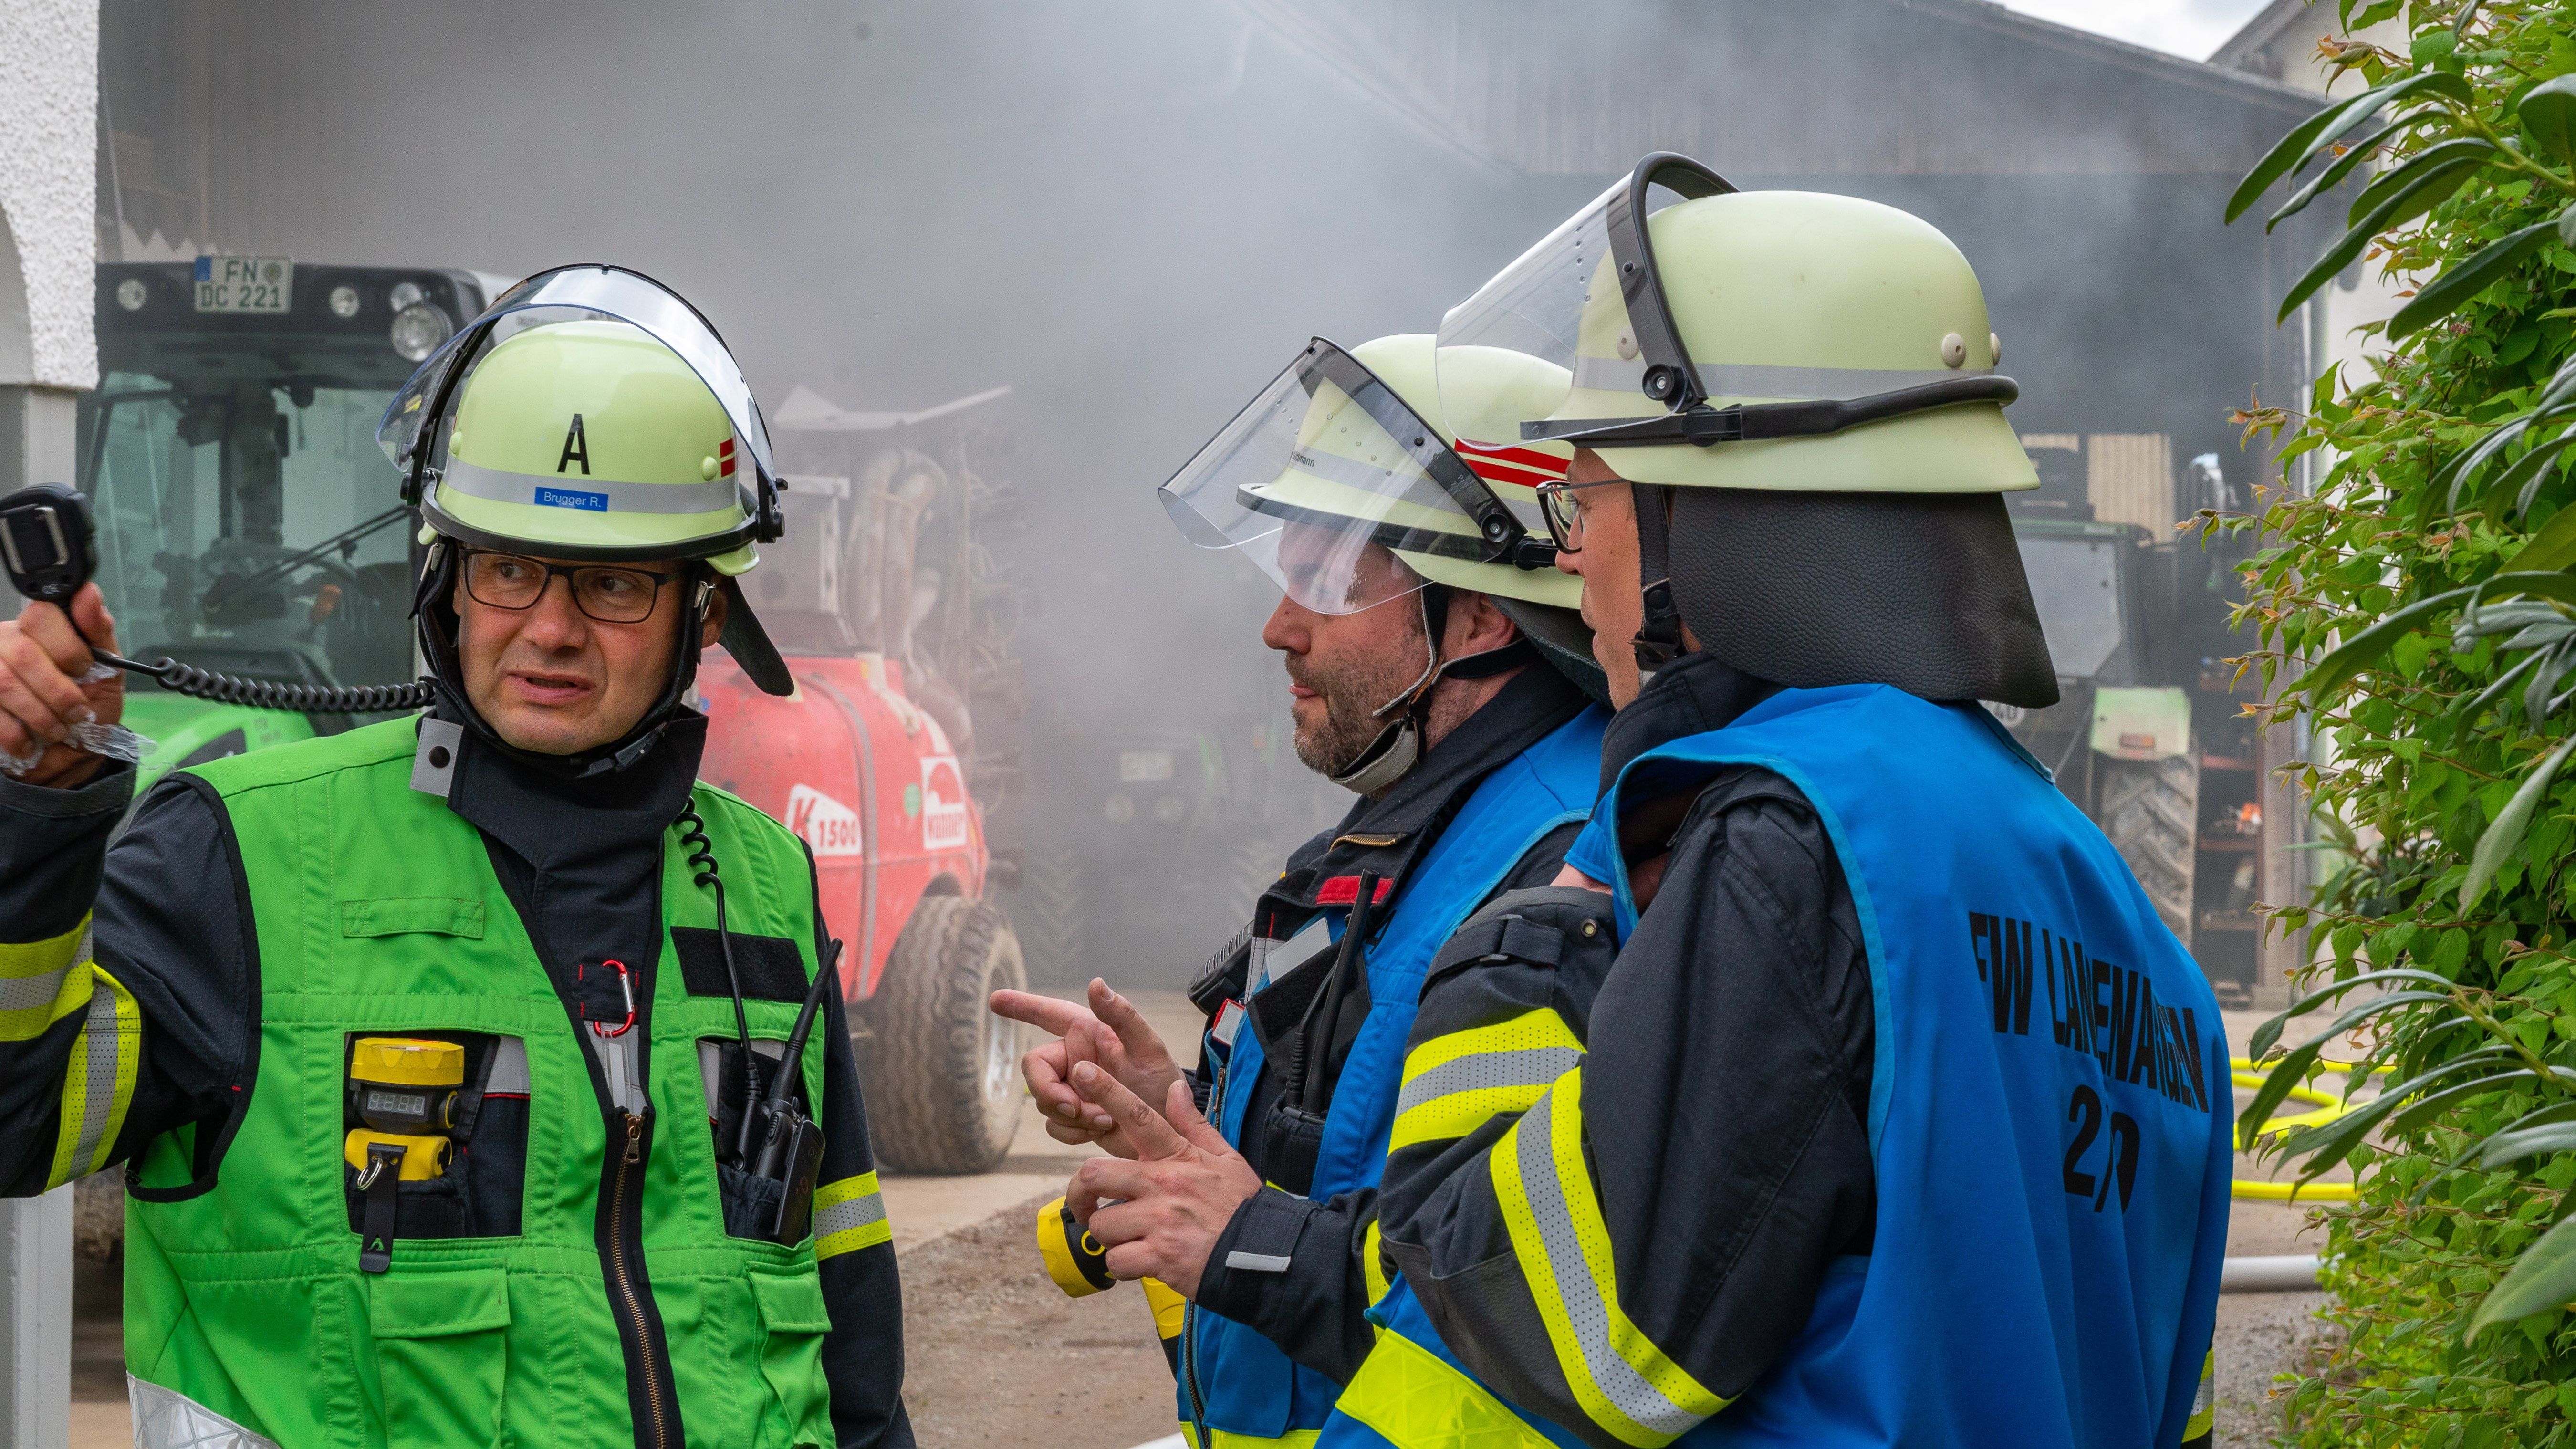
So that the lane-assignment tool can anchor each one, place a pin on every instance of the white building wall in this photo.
(48, 191)
(48, 246)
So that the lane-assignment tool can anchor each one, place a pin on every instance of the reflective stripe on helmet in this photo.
(1626, 1383)
(593, 495)
(1454, 1084)
(1745, 379)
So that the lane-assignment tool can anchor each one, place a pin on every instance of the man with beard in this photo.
(412, 1038)
(1437, 668)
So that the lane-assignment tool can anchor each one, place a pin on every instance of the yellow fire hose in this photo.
(2328, 1108)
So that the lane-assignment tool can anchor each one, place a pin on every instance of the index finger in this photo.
(1043, 1012)
(1151, 1136)
(1134, 1033)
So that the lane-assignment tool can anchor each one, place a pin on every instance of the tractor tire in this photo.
(2150, 809)
(1046, 911)
(942, 1076)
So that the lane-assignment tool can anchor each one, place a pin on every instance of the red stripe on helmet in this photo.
(1526, 457)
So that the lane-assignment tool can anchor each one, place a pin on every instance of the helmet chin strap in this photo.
(1398, 747)
(1659, 630)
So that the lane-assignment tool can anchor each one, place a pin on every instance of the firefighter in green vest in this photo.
(453, 1061)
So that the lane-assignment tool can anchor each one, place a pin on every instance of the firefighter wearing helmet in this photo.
(1440, 670)
(427, 1046)
(1847, 1089)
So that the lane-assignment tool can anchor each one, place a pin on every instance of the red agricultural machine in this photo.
(873, 598)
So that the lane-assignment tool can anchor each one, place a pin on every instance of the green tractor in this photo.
(2146, 736)
(247, 522)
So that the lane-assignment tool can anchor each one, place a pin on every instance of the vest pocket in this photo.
(793, 1320)
(442, 1354)
(480, 1193)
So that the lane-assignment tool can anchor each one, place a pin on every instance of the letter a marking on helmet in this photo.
(576, 446)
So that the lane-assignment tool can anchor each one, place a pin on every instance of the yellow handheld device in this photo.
(406, 1091)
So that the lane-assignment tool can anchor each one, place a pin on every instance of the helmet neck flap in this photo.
(1923, 591)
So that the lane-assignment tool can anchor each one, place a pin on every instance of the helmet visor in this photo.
(1534, 308)
(581, 293)
(1326, 472)
(1585, 302)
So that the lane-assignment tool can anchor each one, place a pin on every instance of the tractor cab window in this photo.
(248, 523)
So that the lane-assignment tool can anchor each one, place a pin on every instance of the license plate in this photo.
(245, 284)
(1144, 766)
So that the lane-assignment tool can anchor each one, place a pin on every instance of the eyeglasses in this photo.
(1564, 514)
(610, 593)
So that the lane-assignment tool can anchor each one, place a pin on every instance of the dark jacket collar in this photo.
(557, 821)
(1690, 696)
(1391, 833)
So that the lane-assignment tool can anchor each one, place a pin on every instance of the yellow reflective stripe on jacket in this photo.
(1373, 1264)
(849, 1215)
(1228, 1439)
(41, 982)
(1621, 1378)
(1413, 1397)
(98, 1083)
(2204, 1404)
(1456, 1083)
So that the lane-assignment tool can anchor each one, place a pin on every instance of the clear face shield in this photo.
(1326, 472)
(587, 292)
(1588, 301)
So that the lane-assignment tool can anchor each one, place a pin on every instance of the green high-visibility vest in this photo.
(377, 913)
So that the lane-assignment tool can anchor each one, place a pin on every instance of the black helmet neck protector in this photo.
(1923, 591)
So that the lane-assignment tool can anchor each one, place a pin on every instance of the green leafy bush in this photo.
(2427, 578)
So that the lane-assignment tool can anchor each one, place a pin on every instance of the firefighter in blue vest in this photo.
(1439, 669)
(1895, 1116)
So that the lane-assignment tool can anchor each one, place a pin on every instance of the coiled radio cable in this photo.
(702, 857)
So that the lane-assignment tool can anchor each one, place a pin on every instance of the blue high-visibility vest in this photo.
(1252, 1390)
(2049, 1108)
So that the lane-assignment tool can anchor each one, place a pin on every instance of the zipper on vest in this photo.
(625, 1249)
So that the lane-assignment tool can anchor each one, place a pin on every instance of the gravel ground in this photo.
(995, 1354)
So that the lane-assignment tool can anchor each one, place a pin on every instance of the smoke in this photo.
(1132, 213)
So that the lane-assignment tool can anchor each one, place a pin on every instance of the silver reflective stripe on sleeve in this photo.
(1591, 1319)
(167, 1420)
(840, 1217)
(35, 993)
(1533, 1068)
(98, 1080)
